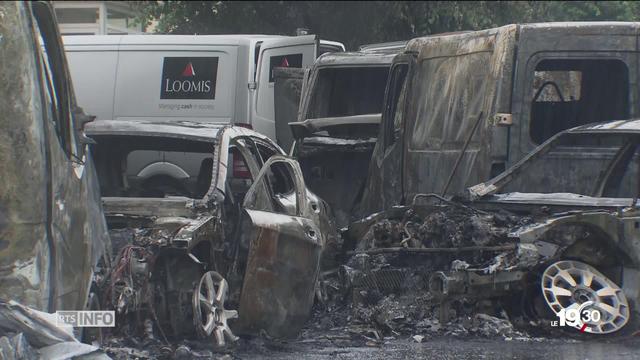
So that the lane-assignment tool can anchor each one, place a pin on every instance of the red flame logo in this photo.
(188, 70)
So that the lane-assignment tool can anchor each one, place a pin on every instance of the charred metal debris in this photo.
(455, 270)
(413, 271)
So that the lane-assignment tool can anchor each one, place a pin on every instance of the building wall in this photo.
(95, 18)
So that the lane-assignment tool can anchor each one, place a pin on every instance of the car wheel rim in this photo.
(209, 315)
(568, 285)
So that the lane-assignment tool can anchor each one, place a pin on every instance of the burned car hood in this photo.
(556, 199)
(361, 125)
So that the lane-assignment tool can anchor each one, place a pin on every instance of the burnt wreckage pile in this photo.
(435, 270)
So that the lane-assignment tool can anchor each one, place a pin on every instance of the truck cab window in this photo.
(392, 117)
(569, 93)
(348, 91)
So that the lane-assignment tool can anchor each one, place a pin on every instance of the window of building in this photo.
(75, 15)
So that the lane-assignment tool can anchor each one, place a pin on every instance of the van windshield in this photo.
(598, 165)
(348, 91)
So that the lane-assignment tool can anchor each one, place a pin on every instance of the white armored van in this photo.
(224, 79)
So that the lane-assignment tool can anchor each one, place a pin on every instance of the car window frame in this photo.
(51, 59)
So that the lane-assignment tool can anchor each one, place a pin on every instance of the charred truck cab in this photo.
(462, 107)
(337, 123)
(52, 229)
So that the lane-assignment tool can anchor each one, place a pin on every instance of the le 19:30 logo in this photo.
(580, 318)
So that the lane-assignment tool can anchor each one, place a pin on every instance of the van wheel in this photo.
(588, 300)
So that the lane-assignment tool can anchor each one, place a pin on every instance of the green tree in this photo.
(355, 22)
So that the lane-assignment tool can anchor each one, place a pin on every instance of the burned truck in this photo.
(232, 246)
(52, 230)
(336, 124)
(461, 108)
(556, 232)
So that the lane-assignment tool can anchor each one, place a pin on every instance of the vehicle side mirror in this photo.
(80, 120)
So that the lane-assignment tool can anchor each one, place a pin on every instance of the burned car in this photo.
(556, 232)
(239, 230)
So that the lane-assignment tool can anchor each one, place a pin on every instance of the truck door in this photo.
(384, 183)
(293, 52)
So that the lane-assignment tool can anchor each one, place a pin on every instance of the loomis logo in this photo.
(189, 78)
(188, 70)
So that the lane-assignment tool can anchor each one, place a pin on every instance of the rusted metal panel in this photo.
(282, 268)
(52, 230)
(24, 234)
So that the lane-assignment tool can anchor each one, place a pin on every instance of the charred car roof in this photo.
(181, 130)
(582, 28)
(355, 58)
(187, 130)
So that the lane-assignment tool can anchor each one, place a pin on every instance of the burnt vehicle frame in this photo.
(552, 248)
(484, 99)
(255, 242)
(53, 235)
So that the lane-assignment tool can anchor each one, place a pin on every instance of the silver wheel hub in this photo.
(209, 315)
(573, 285)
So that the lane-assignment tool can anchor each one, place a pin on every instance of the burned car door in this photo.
(284, 251)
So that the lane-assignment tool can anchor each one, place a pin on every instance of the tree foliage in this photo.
(355, 22)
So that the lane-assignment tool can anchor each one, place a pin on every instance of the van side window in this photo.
(287, 61)
(256, 56)
(569, 93)
(55, 88)
(394, 109)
